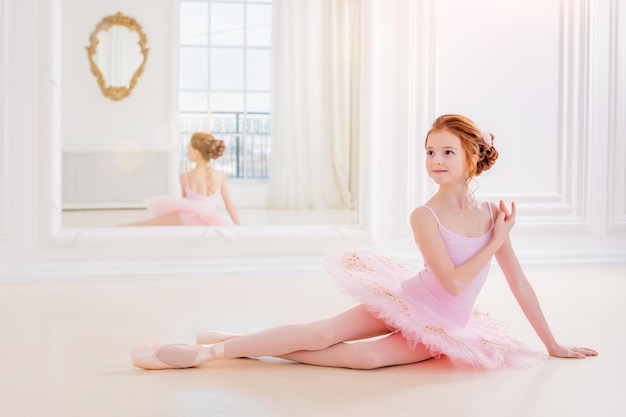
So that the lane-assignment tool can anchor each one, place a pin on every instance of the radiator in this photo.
(106, 180)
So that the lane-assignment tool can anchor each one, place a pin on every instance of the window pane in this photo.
(194, 68)
(193, 101)
(258, 102)
(258, 69)
(226, 102)
(226, 69)
(194, 23)
(259, 25)
(226, 24)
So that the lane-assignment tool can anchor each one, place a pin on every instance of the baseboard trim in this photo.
(87, 270)
(63, 270)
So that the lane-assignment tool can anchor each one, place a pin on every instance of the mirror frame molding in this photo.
(283, 240)
(5, 232)
(118, 19)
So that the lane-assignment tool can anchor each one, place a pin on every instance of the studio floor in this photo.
(65, 351)
(248, 217)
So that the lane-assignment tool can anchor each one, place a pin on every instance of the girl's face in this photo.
(446, 160)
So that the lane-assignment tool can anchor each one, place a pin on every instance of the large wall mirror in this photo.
(136, 146)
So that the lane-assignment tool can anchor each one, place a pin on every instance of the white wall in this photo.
(546, 77)
(142, 122)
(91, 121)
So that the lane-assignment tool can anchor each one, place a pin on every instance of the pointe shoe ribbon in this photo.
(211, 337)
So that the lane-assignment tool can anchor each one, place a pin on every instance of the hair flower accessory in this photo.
(486, 137)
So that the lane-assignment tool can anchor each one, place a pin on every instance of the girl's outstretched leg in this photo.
(169, 219)
(354, 324)
(388, 351)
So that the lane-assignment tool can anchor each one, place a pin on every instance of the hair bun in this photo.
(209, 147)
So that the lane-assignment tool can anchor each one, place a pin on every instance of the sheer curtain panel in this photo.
(315, 77)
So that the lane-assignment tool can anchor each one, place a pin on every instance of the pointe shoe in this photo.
(174, 356)
(210, 337)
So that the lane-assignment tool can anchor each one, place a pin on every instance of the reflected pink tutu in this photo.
(191, 212)
(405, 299)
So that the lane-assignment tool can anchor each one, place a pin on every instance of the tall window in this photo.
(224, 80)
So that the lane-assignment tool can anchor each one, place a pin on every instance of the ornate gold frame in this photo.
(117, 93)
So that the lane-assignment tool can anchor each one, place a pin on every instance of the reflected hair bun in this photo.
(209, 147)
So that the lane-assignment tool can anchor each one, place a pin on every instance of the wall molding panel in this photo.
(567, 208)
(616, 204)
(575, 109)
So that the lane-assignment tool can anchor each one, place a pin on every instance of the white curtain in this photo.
(315, 104)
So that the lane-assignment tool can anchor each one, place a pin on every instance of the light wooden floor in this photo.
(248, 217)
(65, 352)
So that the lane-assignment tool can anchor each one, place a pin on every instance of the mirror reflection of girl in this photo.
(201, 189)
(408, 315)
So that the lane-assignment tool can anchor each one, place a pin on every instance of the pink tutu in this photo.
(190, 212)
(408, 302)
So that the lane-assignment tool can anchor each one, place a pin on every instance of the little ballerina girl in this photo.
(416, 314)
(201, 188)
